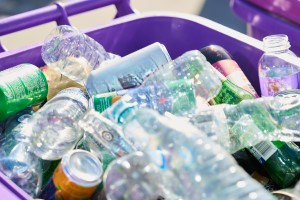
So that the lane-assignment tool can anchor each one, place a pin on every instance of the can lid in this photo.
(82, 167)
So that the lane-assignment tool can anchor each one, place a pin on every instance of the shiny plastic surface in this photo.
(178, 32)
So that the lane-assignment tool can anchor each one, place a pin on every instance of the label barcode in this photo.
(265, 149)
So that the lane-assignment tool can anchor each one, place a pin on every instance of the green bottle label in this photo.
(231, 94)
(102, 103)
(20, 87)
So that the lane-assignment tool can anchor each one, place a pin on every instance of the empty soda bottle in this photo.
(223, 62)
(179, 86)
(279, 68)
(129, 71)
(76, 177)
(205, 169)
(21, 86)
(135, 176)
(52, 129)
(72, 53)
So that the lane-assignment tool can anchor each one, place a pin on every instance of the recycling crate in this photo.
(267, 17)
(125, 34)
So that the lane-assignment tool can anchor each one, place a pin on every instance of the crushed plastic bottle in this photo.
(72, 53)
(205, 170)
(52, 130)
(134, 176)
(178, 87)
(251, 121)
(16, 161)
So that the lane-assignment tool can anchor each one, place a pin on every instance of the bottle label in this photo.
(263, 151)
(270, 86)
(234, 74)
(231, 94)
(102, 101)
(24, 81)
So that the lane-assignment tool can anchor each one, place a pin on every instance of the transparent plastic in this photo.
(52, 130)
(178, 87)
(135, 177)
(251, 121)
(204, 169)
(16, 161)
(279, 68)
(72, 53)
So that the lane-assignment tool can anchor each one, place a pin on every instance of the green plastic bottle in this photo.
(230, 93)
(21, 86)
(281, 160)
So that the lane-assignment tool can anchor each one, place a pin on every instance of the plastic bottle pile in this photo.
(94, 125)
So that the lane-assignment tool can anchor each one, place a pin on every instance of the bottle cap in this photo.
(82, 167)
(273, 43)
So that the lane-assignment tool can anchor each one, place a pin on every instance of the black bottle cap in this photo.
(215, 53)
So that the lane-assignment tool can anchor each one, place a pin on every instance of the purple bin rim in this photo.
(288, 9)
(263, 23)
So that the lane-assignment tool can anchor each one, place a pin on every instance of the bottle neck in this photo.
(276, 44)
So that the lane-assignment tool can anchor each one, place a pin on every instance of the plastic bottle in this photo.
(134, 176)
(253, 121)
(223, 62)
(21, 86)
(178, 87)
(98, 129)
(278, 67)
(204, 169)
(129, 71)
(16, 161)
(72, 53)
(52, 129)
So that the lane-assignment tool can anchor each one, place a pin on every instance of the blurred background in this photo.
(217, 10)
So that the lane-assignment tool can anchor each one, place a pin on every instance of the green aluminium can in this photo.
(21, 86)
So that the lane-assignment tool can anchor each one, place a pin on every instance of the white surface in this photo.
(99, 16)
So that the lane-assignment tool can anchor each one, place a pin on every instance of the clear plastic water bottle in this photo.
(16, 161)
(52, 130)
(72, 53)
(98, 129)
(179, 86)
(251, 121)
(279, 68)
(205, 169)
(136, 177)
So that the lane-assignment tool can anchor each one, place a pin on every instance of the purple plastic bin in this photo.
(262, 23)
(288, 9)
(178, 32)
